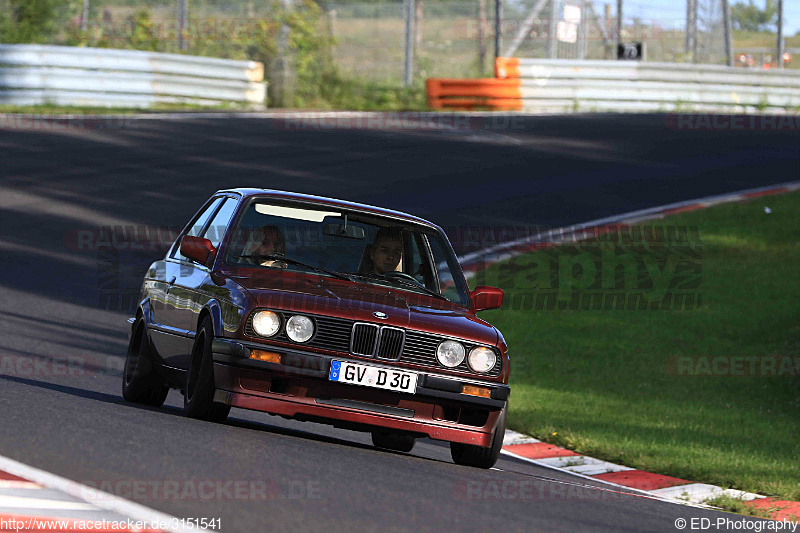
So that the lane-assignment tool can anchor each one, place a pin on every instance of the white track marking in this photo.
(700, 492)
(102, 500)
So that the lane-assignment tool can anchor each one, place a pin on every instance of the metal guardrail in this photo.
(542, 85)
(96, 77)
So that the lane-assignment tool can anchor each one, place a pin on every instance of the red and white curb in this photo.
(473, 262)
(35, 500)
(660, 486)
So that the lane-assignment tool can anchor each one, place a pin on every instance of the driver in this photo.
(265, 241)
(387, 250)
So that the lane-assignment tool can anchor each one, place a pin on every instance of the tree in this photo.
(750, 17)
(30, 21)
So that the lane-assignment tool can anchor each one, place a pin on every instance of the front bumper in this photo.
(299, 388)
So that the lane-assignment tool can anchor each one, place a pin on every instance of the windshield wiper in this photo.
(409, 283)
(282, 259)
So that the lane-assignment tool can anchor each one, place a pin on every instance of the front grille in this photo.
(372, 340)
(363, 339)
(391, 343)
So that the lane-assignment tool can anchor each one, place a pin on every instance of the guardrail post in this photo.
(691, 29)
(183, 19)
(281, 87)
(482, 31)
(552, 46)
(726, 18)
(780, 34)
(85, 16)
(498, 27)
(410, 11)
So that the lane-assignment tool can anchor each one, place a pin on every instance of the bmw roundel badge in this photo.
(378, 314)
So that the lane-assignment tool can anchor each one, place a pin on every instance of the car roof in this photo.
(330, 202)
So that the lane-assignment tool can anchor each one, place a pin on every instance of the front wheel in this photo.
(478, 456)
(198, 398)
(140, 380)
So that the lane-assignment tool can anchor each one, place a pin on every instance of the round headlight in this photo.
(300, 328)
(266, 323)
(450, 354)
(481, 359)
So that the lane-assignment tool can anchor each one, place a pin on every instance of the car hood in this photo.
(320, 295)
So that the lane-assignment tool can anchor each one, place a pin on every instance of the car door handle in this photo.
(171, 283)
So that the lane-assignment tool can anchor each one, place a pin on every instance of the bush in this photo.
(32, 21)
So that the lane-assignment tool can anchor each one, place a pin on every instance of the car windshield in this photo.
(349, 245)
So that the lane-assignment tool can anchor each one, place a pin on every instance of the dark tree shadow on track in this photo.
(232, 421)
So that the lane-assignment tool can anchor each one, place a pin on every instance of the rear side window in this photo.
(198, 225)
(219, 225)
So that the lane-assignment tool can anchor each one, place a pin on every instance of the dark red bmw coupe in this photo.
(327, 311)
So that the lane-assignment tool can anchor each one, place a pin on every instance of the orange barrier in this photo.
(506, 67)
(487, 93)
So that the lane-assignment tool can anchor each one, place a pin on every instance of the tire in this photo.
(140, 380)
(198, 398)
(478, 456)
(398, 442)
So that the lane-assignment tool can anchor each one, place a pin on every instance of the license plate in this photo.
(373, 376)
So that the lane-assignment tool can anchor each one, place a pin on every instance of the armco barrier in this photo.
(542, 85)
(96, 77)
(471, 94)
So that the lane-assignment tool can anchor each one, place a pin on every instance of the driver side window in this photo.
(197, 227)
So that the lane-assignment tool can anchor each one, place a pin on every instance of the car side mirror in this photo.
(198, 249)
(484, 298)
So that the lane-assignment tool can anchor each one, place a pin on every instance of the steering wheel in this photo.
(402, 275)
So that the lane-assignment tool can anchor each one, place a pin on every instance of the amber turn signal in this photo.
(483, 392)
(269, 357)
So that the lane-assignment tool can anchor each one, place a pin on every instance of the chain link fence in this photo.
(451, 38)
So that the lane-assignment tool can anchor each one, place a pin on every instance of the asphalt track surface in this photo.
(58, 179)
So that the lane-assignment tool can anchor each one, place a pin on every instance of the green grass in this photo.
(341, 92)
(601, 382)
(739, 507)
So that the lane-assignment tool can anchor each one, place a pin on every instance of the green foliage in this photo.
(738, 506)
(750, 17)
(335, 91)
(311, 45)
(143, 32)
(31, 21)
